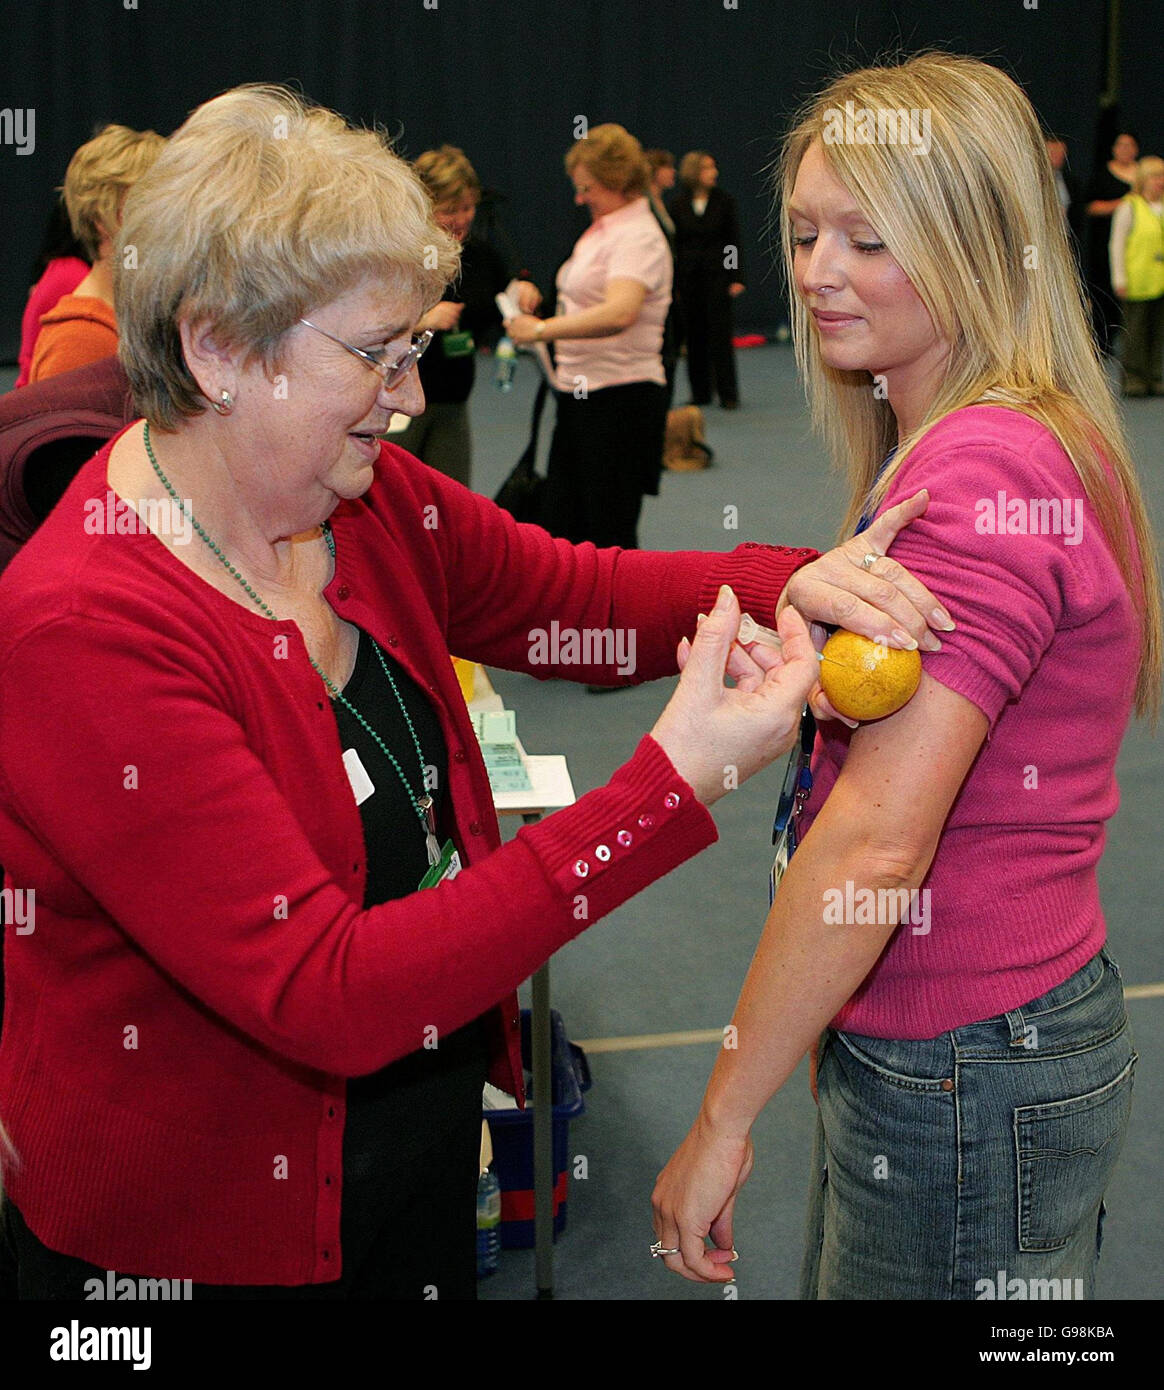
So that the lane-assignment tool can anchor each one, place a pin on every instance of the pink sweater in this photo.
(1046, 646)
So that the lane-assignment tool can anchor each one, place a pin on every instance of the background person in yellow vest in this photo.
(1137, 276)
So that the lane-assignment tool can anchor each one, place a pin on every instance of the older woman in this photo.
(613, 294)
(80, 327)
(467, 307)
(246, 1040)
(940, 919)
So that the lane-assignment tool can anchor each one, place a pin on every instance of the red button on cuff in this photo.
(581, 868)
(671, 800)
(624, 837)
(646, 822)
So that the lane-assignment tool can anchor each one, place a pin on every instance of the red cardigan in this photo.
(202, 978)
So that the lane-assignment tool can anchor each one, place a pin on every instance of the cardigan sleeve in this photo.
(134, 797)
(507, 585)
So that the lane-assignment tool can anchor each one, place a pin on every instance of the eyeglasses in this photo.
(393, 373)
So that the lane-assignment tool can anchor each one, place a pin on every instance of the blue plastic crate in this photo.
(512, 1135)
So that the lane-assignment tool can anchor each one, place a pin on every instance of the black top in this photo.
(1104, 186)
(448, 380)
(701, 241)
(398, 1111)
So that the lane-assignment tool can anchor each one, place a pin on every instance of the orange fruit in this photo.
(865, 679)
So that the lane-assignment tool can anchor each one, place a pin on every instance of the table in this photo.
(552, 788)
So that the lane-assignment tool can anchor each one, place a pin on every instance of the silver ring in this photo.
(658, 1250)
(870, 560)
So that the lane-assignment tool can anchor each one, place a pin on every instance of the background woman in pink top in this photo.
(613, 296)
(59, 269)
(940, 920)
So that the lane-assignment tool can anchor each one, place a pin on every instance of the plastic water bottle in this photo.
(506, 356)
(488, 1223)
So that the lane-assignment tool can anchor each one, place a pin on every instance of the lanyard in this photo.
(798, 774)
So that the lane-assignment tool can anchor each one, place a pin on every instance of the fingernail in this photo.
(735, 1256)
(903, 639)
(723, 598)
(931, 643)
(701, 618)
(943, 619)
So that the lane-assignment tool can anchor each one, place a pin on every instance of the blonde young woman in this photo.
(974, 1074)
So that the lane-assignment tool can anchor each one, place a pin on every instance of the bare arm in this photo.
(622, 304)
(879, 828)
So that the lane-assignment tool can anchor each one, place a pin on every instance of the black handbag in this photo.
(522, 493)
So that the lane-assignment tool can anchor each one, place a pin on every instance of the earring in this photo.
(225, 403)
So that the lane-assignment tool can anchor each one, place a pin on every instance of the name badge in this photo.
(448, 866)
(779, 866)
(361, 784)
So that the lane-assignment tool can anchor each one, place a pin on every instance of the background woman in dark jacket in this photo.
(707, 235)
(1110, 182)
(466, 313)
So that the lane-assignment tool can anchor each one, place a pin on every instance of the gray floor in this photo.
(673, 959)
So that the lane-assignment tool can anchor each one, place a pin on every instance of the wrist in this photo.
(716, 1121)
(706, 791)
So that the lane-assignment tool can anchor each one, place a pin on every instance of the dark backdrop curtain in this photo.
(507, 81)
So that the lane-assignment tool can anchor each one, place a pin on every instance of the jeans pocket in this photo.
(1065, 1152)
(910, 1066)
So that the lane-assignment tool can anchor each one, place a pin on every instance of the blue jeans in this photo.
(972, 1164)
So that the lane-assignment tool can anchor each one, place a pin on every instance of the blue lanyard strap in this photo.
(867, 516)
(797, 782)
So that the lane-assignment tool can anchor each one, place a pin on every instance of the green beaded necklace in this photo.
(423, 805)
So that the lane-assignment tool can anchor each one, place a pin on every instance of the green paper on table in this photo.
(496, 732)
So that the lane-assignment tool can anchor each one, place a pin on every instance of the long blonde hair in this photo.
(974, 222)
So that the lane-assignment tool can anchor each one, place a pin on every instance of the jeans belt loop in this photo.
(1018, 1029)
